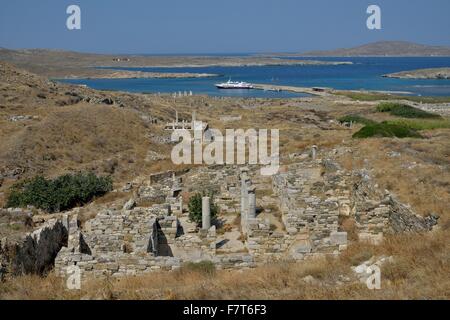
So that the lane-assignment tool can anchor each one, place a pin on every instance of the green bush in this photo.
(385, 129)
(355, 119)
(62, 193)
(405, 111)
(423, 124)
(195, 207)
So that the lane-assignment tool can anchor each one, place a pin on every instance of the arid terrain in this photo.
(48, 128)
(384, 49)
(63, 64)
(432, 73)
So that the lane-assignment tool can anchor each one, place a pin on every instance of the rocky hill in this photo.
(430, 73)
(69, 64)
(51, 128)
(384, 48)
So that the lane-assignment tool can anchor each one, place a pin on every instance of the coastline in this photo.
(323, 91)
(238, 64)
(429, 73)
(140, 75)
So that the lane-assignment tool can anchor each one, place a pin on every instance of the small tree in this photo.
(195, 207)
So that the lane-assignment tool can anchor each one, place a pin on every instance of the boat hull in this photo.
(226, 87)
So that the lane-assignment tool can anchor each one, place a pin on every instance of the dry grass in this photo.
(104, 139)
(420, 271)
(112, 140)
(419, 176)
(74, 136)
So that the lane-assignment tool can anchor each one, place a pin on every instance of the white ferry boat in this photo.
(234, 85)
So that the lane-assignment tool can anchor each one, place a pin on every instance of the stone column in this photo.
(206, 213)
(244, 199)
(314, 152)
(252, 205)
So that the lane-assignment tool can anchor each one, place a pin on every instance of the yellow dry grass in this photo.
(90, 137)
(419, 271)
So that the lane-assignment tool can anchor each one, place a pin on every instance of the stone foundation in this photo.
(311, 197)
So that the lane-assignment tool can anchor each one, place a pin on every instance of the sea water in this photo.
(365, 73)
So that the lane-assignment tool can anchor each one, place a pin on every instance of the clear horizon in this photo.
(165, 54)
(175, 27)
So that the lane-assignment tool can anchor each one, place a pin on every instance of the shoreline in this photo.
(237, 64)
(424, 74)
(140, 75)
(311, 91)
(323, 91)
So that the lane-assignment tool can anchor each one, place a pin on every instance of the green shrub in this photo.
(62, 193)
(195, 207)
(405, 111)
(203, 267)
(425, 124)
(355, 119)
(385, 129)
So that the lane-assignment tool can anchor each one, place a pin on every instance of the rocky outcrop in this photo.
(402, 219)
(36, 252)
(379, 213)
(430, 73)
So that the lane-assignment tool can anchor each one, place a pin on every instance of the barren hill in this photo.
(384, 48)
(50, 128)
(429, 73)
(68, 64)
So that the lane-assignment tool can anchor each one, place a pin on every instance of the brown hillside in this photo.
(50, 128)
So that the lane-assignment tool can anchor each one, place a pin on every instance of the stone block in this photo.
(291, 230)
(338, 238)
(375, 239)
(301, 246)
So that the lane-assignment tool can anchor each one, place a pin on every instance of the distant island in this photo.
(430, 73)
(383, 48)
(76, 65)
(124, 74)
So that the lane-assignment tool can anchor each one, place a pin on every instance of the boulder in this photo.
(338, 238)
(36, 252)
(130, 204)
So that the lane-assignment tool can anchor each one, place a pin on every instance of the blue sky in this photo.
(218, 26)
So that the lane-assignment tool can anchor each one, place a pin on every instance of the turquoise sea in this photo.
(364, 73)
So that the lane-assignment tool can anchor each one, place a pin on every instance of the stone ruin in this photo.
(293, 215)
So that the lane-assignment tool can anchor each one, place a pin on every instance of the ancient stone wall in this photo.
(377, 213)
(310, 201)
(314, 195)
(35, 253)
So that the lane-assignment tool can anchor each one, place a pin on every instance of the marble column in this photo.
(314, 152)
(206, 213)
(252, 205)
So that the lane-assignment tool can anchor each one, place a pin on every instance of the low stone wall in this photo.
(264, 244)
(379, 213)
(122, 231)
(159, 177)
(234, 261)
(126, 242)
(314, 195)
(113, 264)
(311, 201)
